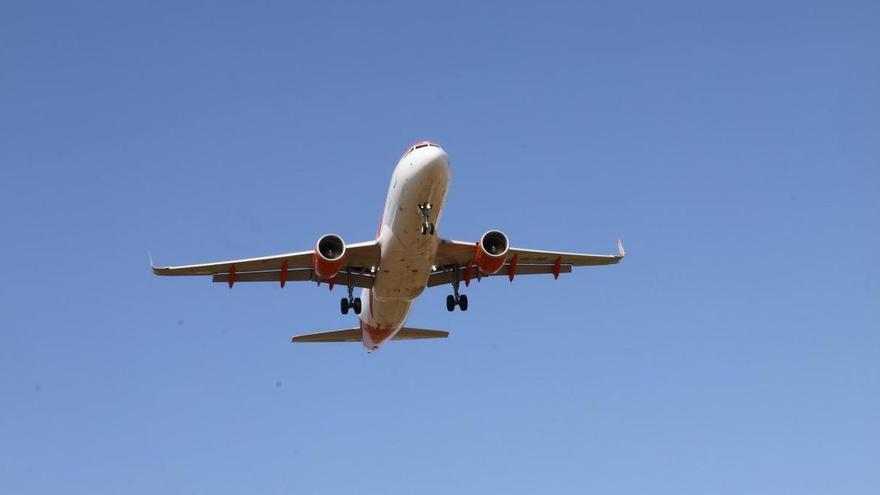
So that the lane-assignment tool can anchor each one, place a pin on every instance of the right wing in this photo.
(460, 255)
(359, 259)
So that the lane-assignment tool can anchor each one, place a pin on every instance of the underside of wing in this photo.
(461, 253)
(360, 258)
(444, 276)
(534, 256)
(266, 263)
(355, 277)
(457, 259)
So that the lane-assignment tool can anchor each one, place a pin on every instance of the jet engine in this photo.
(492, 252)
(329, 256)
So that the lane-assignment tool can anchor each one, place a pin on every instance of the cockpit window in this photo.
(418, 145)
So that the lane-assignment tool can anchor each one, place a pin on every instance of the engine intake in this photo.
(329, 256)
(492, 252)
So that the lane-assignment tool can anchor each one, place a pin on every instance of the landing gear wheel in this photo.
(356, 305)
(424, 230)
(343, 306)
(462, 302)
(450, 303)
(431, 229)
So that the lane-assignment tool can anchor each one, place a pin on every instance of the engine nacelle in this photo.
(329, 256)
(492, 252)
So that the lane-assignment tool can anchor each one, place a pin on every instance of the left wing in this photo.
(458, 255)
(359, 258)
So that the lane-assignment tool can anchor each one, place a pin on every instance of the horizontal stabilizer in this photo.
(346, 335)
(420, 333)
(354, 335)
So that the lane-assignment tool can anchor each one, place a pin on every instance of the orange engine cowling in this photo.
(492, 252)
(329, 256)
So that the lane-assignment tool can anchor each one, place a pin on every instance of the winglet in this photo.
(620, 252)
(156, 269)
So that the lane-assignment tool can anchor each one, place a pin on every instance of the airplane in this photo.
(406, 257)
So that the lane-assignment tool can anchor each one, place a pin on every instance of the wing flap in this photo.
(301, 275)
(445, 277)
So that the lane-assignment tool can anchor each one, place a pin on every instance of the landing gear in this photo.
(425, 212)
(456, 299)
(354, 303)
(350, 302)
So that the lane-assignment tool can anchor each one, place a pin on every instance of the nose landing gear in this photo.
(425, 212)
(456, 299)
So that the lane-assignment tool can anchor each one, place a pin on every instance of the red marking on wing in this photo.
(282, 277)
(231, 280)
(557, 267)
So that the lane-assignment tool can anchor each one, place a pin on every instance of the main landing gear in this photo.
(425, 212)
(346, 304)
(456, 299)
(350, 302)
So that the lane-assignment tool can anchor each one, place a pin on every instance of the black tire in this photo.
(450, 303)
(431, 229)
(357, 305)
(462, 302)
(424, 230)
(343, 305)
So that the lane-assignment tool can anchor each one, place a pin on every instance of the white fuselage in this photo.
(421, 176)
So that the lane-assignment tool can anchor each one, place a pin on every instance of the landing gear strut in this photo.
(425, 212)
(456, 299)
(351, 301)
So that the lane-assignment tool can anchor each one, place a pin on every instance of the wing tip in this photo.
(620, 251)
(155, 269)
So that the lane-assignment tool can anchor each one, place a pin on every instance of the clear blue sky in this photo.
(734, 148)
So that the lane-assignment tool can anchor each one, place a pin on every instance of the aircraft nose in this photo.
(435, 157)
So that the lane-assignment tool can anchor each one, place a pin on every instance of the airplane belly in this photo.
(407, 254)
